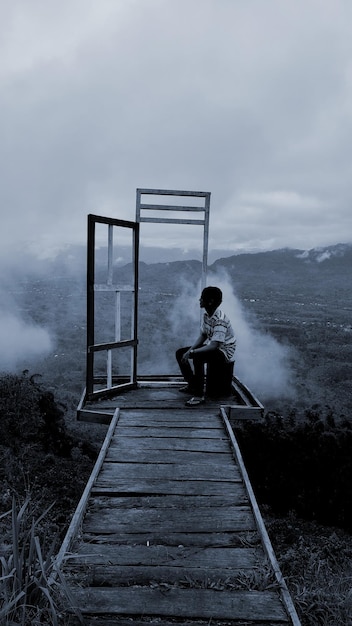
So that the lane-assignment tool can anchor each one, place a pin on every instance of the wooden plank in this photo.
(170, 421)
(171, 207)
(175, 443)
(155, 537)
(135, 621)
(159, 411)
(140, 485)
(181, 457)
(165, 509)
(176, 403)
(245, 413)
(177, 556)
(167, 393)
(172, 192)
(169, 520)
(238, 496)
(167, 220)
(194, 603)
(186, 576)
(166, 471)
(132, 417)
(191, 432)
(100, 347)
(95, 417)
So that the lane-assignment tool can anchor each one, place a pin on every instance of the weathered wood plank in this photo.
(139, 485)
(168, 418)
(166, 471)
(176, 556)
(238, 496)
(175, 404)
(181, 457)
(207, 421)
(159, 411)
(134, 621)
(158, 537)
(165, 431)
(186, 576)
(144, 520)
(175, 443)
(193, 603)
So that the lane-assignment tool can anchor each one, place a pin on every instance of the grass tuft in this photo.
(31, 593)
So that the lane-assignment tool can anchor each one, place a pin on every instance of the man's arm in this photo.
(197, 344)
(209, 347)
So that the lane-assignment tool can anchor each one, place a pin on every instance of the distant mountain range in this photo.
(337, 254)
(326, 269)
(76, 254)
(264, 274)
(329, 267)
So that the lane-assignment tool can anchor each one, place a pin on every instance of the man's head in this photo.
(211, 298)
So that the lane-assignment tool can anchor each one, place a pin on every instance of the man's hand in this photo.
(187, 355)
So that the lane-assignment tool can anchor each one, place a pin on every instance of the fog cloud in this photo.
(21, 342)
(262, 363)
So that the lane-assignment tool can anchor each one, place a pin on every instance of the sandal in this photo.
(195, 401)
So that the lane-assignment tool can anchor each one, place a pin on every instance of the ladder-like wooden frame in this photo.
(143, 206)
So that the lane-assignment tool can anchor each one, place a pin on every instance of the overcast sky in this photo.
(248, 99)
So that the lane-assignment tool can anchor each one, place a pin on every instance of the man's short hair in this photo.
(212, 293)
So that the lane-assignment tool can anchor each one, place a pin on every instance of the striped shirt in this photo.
(218, 328)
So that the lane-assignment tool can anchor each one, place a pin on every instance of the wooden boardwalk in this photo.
(168, 531)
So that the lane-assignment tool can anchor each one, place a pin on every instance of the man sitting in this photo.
(215, 347)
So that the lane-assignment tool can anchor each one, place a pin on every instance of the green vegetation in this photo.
(31, 590)
(44, 467)
(300, 468)
(302, 464)
(316, 562)
(40, 448)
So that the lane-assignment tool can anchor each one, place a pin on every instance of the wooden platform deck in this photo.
(159, 392)
(168, 530)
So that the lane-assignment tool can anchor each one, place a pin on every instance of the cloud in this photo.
(323, 257)
(262, 363)
(282, 199)
(21, 342)
(245, 100)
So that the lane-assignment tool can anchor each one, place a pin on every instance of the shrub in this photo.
(39, 455)
(302, 466)
(30, 413)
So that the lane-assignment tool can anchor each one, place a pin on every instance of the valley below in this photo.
(292, 318)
